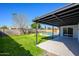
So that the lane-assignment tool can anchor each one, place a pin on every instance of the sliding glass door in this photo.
(68, 32)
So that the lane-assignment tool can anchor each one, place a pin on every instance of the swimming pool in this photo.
(47, 33)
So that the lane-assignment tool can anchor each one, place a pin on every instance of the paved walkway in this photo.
(62, 46)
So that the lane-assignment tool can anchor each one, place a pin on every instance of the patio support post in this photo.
(52, 32)
(59, 31)
(36, 33)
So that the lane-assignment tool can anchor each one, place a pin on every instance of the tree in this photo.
(20, 22)
(4, 28)
(34, 25)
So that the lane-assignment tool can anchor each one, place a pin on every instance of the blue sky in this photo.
(30, 10)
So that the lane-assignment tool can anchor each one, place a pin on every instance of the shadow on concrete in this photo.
(71, 43)
(9, 47)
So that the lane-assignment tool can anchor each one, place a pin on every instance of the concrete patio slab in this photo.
(58, 47)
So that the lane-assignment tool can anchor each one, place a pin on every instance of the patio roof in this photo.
(68, 15)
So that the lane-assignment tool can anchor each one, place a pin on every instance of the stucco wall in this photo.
(78, 32)
(75, 30)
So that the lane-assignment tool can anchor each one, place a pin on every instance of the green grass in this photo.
(20, 45)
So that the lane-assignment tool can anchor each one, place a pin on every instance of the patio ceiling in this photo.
(68, 15)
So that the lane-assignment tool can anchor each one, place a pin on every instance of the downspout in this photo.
(36, 33)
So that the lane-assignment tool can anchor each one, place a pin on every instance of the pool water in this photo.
(47, 33)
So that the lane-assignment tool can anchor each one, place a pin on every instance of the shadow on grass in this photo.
(9, 47)
(45, 38)
(50, 37)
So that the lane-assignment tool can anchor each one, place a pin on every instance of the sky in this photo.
(30, 10)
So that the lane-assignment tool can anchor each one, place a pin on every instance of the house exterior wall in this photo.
(78, 32)
(75, 30)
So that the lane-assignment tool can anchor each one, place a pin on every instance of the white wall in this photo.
(75, 30)
(61, 31)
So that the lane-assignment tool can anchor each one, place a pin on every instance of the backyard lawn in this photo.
(20, 45)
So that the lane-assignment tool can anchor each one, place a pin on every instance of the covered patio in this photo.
(62, 45)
